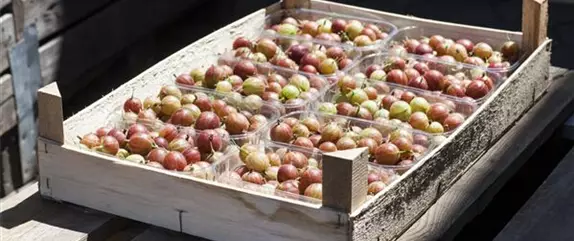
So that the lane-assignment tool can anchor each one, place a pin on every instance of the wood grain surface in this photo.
(469, 195)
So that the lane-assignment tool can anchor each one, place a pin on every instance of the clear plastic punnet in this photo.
(378, 97)
(449, 76)
(338, 22)
(496, 43)
(328, 133)
(274, 79)
(143, 144)
(241, 171)
(323, 58)
(195, 102)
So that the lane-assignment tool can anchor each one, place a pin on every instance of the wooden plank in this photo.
(469, 195)
(8, 118)
(51, 16)
(139, 192)
(27, 217)
(6, 89)
(345, 179)
(50, 113)
(548, 214)
(534, 24)
(50, 54)
(7, 39)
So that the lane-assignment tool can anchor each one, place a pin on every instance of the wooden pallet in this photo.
(219, 212)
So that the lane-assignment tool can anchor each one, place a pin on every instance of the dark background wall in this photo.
(213, 14)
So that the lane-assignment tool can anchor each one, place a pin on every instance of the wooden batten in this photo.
(7, 39)
(534, 24)
(50, 113)
(345, 179)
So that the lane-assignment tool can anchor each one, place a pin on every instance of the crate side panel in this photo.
(176, 201)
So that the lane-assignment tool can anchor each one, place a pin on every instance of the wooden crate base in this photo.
(217, 212)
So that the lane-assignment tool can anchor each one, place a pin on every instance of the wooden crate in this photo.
(218, 212)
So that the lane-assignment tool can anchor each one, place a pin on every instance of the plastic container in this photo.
(321, 85)
(269, 111)
(446, 68)
(284, 42)
(386, 128)
(205, 169)
(224, 171)
(416, 32)
(314, 15)
(462, 106)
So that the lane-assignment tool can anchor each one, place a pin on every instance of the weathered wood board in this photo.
(474, 191)
(65, 172)
(7, 39)
(8, 118)
(50, 54)
(6, 89)
(28, 217)
(383, 217)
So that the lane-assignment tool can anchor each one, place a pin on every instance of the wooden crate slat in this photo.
(534, 24)
(50, 113)
(50, 16)
(50, 54)
(178, 202)
(28, 217)
(483, 180)
(8, 118)
(7, 39)
(6, 89)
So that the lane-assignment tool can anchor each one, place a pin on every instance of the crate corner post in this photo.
(534, 24)
(345, 179)
(50, 130)
(50, 114)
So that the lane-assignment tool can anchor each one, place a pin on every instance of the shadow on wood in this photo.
(10, 156)
(27, 216)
